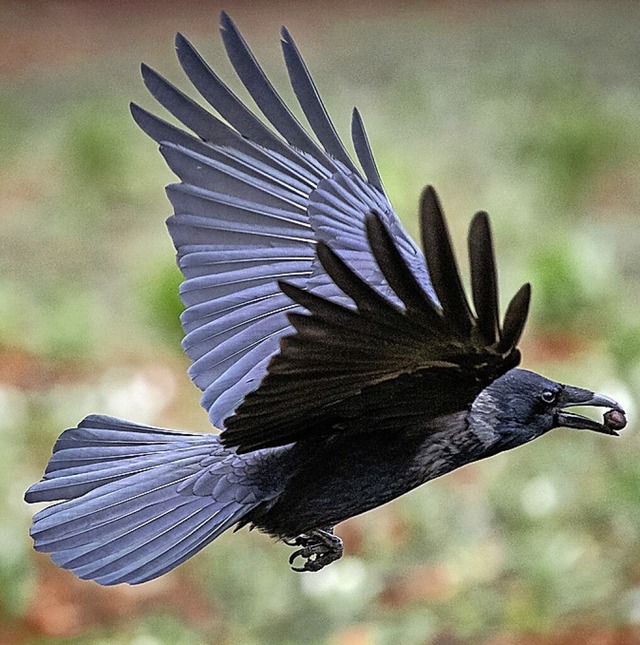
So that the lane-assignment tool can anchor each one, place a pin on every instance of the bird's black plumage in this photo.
(344, 366)
(340, 358)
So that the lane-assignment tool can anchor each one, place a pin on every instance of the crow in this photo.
(343, 365)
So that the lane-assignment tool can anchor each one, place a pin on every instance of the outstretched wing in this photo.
(380, 364)
(252, 204)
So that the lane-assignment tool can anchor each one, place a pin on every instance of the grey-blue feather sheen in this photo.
(251, 206)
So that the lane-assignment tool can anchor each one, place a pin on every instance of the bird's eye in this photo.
(549, 396)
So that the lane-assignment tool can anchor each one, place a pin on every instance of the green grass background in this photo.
(527, 110)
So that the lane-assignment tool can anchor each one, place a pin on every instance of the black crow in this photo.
(343, 366)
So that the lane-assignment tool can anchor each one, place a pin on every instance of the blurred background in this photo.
(527, 110)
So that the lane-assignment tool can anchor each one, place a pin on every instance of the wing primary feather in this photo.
(264, 94)
(310, 101)
(160, 130)
(515, 319)
(484, 286)
(195, 117)
(227, 104)
(363, 151)
(334, 313)
(442, 263)
(312, 302)
(366, 298)
(399, 276)
(219, 173)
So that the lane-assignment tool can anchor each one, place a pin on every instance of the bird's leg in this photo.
(320, 547)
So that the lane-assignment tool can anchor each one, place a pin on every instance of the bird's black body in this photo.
(343, 366)
(340, 477)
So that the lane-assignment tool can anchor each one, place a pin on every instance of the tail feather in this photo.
(130, 507)
(73, 482)
(111, 508)
(164, 538)
(189, 546)
(148, 560)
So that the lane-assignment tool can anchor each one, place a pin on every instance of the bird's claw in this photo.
(319, 548)
(293, 541)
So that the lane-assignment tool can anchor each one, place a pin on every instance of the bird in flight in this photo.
(343, 365)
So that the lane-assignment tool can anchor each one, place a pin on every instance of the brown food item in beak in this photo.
(614, 420)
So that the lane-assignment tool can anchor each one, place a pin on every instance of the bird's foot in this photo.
(320, 547)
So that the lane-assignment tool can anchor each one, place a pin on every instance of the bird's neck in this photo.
(453, 444)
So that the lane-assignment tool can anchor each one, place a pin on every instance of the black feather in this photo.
(484, 283)
(363, 151)
(400, 278)
(227, 104)
(515, 318)
(366, 298)
(196, 118)
(440, 258)
(311, 103)
(263, 93)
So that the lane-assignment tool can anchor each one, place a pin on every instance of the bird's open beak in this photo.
(574, 396)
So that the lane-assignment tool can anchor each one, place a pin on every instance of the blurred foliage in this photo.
(528, 111)
(96, 146)
(159, 290)
(568, 284)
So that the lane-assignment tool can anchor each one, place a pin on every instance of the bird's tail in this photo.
(136, 500)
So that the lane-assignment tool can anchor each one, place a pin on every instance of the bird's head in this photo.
(522, 405)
